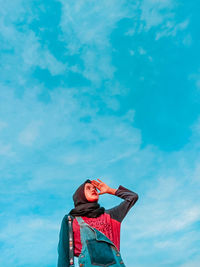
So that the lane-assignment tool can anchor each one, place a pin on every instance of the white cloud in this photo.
(196, 78)
(130, 32)
(97, 68)
(157, 217)
(25, 237)
(102, 145)
(162, 14)
(187, 41)
(150, 58)
(51, 63)
(142, 51)
(6, 150)
(172, 28)
(3, 125)
(33, 55)
(30, 133)
(26, 51)
(192, 263)
(90, 22)
(109, 147)
(155, 12)
(86, 27)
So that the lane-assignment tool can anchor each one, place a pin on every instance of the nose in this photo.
(94, 190)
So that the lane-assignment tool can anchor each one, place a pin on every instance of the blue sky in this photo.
(100, 89)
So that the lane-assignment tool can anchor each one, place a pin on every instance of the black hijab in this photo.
(83, 207)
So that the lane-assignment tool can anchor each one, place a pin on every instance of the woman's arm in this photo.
(63, 245)
(119, 212)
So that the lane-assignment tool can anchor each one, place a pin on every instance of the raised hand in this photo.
(103, 187)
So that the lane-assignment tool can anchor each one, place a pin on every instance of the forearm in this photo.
(112, 191)
(119, 212)
(126, 194)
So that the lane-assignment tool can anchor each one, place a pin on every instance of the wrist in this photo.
(112, 191)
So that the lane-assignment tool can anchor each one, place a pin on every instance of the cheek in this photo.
(92, 198)
(88, 194)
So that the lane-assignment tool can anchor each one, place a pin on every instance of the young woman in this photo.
(90, 232)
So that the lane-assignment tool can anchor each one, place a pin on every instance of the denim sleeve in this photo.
(119, 212)
(63, 245)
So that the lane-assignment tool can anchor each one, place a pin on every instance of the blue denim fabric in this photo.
(97, 249)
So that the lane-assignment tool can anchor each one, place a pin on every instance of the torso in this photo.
(104, 223)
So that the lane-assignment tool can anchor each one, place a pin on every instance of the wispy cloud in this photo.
(34, 55)
(6, 150)
(30, 133)
(156, 12)
(172, 28)
(192, 263)
(51, 139)
(89, 35)
(196, 78)
(24, 237)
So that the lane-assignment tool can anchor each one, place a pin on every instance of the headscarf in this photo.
(83, 207)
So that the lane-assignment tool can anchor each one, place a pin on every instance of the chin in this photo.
(94, 199)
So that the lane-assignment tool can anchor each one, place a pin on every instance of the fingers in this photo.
(95, 183)
(98, 185)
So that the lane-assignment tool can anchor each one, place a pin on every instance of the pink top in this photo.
(104, 223)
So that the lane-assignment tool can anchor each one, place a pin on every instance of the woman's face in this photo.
(91, 193)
